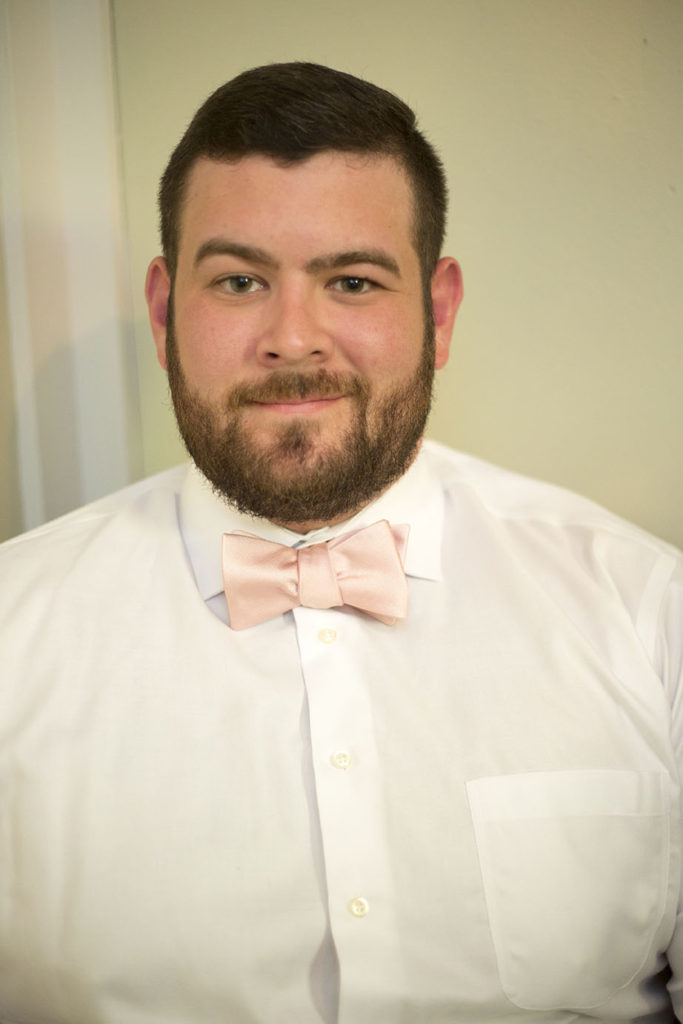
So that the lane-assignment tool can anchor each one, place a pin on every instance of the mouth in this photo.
(298, 406)
(287, 394)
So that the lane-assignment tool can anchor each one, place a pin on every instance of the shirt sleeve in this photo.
(669, 654)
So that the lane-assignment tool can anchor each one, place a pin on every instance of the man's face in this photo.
(300, 360)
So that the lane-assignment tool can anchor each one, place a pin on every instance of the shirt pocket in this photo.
(574, 867)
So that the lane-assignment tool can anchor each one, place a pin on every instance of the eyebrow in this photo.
(329, 261)
(335, 260)
(224, 247)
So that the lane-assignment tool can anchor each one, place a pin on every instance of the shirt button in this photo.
(327, 636)
(359, 907)
(341, 759)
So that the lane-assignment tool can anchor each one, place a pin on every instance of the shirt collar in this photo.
(416, 499)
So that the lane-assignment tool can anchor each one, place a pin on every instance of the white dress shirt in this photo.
(470, 816)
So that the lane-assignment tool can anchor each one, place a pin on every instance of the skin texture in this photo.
(299, 355)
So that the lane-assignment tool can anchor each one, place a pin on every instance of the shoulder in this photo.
(53, 548)
(574, 549)
(518, 501)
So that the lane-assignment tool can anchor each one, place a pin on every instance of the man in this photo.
(336, 791)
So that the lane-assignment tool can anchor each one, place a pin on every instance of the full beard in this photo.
(295, 479)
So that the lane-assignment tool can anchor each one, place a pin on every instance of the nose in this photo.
(294, 334)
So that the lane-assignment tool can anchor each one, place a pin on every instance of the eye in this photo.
(353, 285)
(240, 284)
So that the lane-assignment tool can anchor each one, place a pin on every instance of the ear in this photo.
(447, 292)
(157, 292)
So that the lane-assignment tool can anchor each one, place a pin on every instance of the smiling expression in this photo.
(298, 329)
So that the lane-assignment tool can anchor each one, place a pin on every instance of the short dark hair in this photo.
(289, 112)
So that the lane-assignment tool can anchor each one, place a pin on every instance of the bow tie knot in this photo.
(363, 568)
(318, 584)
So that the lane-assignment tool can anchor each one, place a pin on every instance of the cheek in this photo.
(390, 346)
(210, 350)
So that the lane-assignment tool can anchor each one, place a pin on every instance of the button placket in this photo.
(349, 787)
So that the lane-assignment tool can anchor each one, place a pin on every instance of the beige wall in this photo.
(560, 124)
(10, 504)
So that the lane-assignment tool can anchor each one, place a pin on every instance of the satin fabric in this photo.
(362, 568)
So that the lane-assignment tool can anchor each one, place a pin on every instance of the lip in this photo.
(299, 406)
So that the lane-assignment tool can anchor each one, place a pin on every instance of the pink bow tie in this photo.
(363, 568)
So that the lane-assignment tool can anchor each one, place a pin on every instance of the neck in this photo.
(306, 525)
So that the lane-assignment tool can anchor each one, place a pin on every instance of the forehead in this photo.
(332, 198)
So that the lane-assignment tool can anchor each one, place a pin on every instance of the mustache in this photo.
(287, 384)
